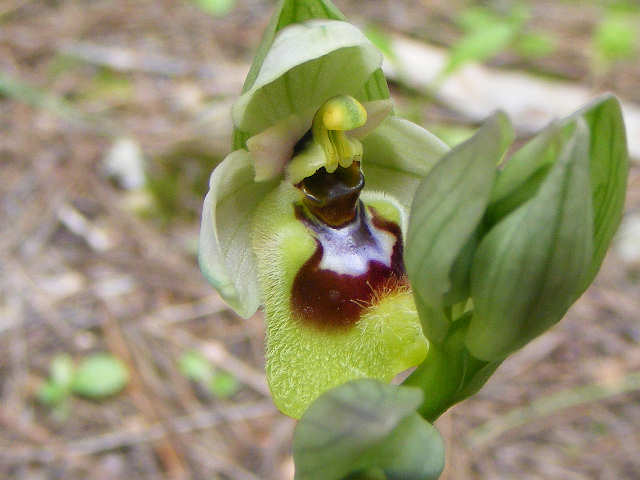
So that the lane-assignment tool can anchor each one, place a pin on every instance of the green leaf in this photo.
(289, 12)
(446, 210)
(616, 37)
(535, 44)
(523, 174)
(609, 167)
(365, 425)
(530, 267)
(217, 8)
(100, 375)
(306, 65)
(474, 19)
(61, 370)
(52, 394)
(480, 45)
(397, 155)
(195, 366)
(225, 254)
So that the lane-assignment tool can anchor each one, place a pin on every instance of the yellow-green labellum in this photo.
(337, 302)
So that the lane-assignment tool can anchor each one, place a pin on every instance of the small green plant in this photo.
(374, 247)
(217, 8)
(98, 376)
(487, 33)
(616, 38)
(55, 391)
(197, 368)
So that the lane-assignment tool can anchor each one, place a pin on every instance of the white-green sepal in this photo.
(225, 254)
(397, 155)
(307, 64)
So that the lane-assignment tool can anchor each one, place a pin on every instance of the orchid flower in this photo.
(372, 246)
(309, 218)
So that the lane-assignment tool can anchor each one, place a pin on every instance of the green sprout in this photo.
(374, 247)
(616, 38)
(197, 368)
(96, 377)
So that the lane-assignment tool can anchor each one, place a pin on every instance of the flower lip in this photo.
(353, 268)
(333, 197)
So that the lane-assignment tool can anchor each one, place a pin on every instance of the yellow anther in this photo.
(343, 113)
(336, 116)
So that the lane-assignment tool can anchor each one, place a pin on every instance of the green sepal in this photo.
(302, 360)
(447, 208)
(272, 148)
(364, 426)
(397, 155)
(289, 12)
(306, 65)
(225, 254)
(531, 266)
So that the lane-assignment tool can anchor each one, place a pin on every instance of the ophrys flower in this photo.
(309, 218)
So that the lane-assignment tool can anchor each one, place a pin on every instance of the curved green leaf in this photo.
(524, 172)
(608, 165)
(397, 155)
(446, 209)
(529, 268)
(225, 254)
(362, 425)
(306, 65)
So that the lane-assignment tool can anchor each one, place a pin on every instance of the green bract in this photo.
(367, 426)
(510, 269)
(375, 248)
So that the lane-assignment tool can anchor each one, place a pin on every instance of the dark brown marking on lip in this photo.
(328, 299)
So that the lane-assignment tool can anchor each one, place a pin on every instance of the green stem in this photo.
(450, 373)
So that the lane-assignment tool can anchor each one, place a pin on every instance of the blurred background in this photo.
(117, 360)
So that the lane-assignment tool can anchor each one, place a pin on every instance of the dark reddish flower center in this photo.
(358, 258)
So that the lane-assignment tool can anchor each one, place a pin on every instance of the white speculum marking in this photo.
(349, 250)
